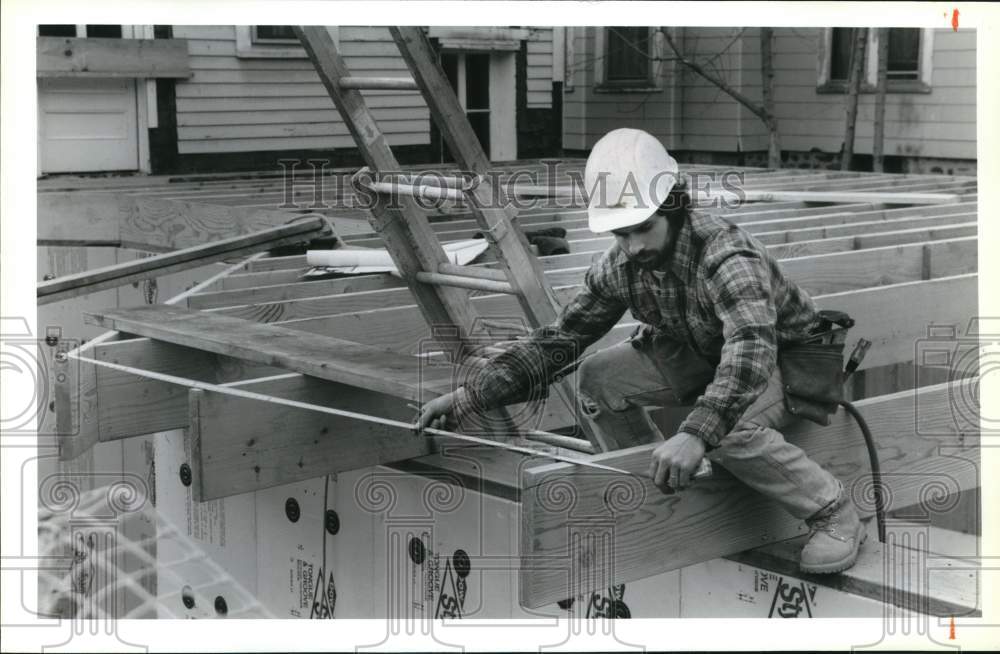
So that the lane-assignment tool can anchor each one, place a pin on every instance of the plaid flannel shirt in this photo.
(722, 294)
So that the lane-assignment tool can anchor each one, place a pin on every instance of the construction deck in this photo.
(906, 272)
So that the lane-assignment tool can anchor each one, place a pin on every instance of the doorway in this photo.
(484, 83)
(88, 124)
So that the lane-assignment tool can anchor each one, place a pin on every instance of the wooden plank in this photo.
(150, 223)
(76, 217)
(319, 356)
(400, 328)
(917, 580)
(857, 229)
(83, 57)
(123, 273)
(130, 405)
(76, 409)
(828, 273)
(249, 445)
(649, 533)
(303, 289)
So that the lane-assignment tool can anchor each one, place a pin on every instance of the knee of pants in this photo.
(594, 395)
(746, 440)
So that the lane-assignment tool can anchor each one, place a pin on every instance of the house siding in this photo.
(539, 69)
(589, 114)
(234, 104)
(699, 117)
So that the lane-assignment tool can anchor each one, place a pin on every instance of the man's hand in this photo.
(675, 460)
(441, 412)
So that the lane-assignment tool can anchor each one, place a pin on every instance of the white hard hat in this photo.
(638, 175)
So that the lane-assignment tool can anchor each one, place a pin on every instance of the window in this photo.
(88, 31)
(623, 59)
(57, 30)
(271, 42)
(627, 55)
(908, 65)
(841, 44)
(904, 54)
(282, 34)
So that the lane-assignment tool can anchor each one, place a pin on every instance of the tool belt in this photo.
(812, 370)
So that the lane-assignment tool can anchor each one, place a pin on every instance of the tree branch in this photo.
(755, 109)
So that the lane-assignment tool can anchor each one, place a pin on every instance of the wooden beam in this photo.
(151, 223)
(281, 292)
(247, 444)
(83, 57)
(760, 220)
(850, 196)
(640, 532)
(128, 404)
(319, 356)
(921, 580)
(78, 216)
(123, 273)
(827, 273)
(400, 328)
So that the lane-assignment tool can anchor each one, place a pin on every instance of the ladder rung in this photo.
(438, 180)
(417, 191)
(386, 83)
(472, 271)
(460, 281)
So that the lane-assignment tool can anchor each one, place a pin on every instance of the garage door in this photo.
(87, 125)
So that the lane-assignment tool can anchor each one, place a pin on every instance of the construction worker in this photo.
(716, 309)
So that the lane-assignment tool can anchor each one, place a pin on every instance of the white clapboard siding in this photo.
(941, 123)
(539, 73)
(588, 115)
(291, 143)
(234, 104)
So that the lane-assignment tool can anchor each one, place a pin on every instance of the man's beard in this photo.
(653, 260)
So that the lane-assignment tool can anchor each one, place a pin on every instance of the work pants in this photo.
(617, 382)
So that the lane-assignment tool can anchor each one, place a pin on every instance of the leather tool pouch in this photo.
(813, 370)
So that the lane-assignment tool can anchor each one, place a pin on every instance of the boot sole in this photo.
(841, 565)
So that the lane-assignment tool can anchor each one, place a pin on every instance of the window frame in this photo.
(869, 81)
(601, 82)
(247, 47)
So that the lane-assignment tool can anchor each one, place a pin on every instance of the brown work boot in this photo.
(835, 537)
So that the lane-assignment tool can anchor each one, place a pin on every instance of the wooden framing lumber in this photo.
(129, 404)
(575, 223)
(897, 573)
(400, 328)
(582, 530)
(246, 444)
(319, 356)
(193, 257)
(826, 273)
(280, 292)
(83, 57)
(850, 196)
(144, 223)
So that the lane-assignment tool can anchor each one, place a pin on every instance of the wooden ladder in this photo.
(439, 287)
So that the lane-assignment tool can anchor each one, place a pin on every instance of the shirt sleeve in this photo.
(525, 370)
(740, 288)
